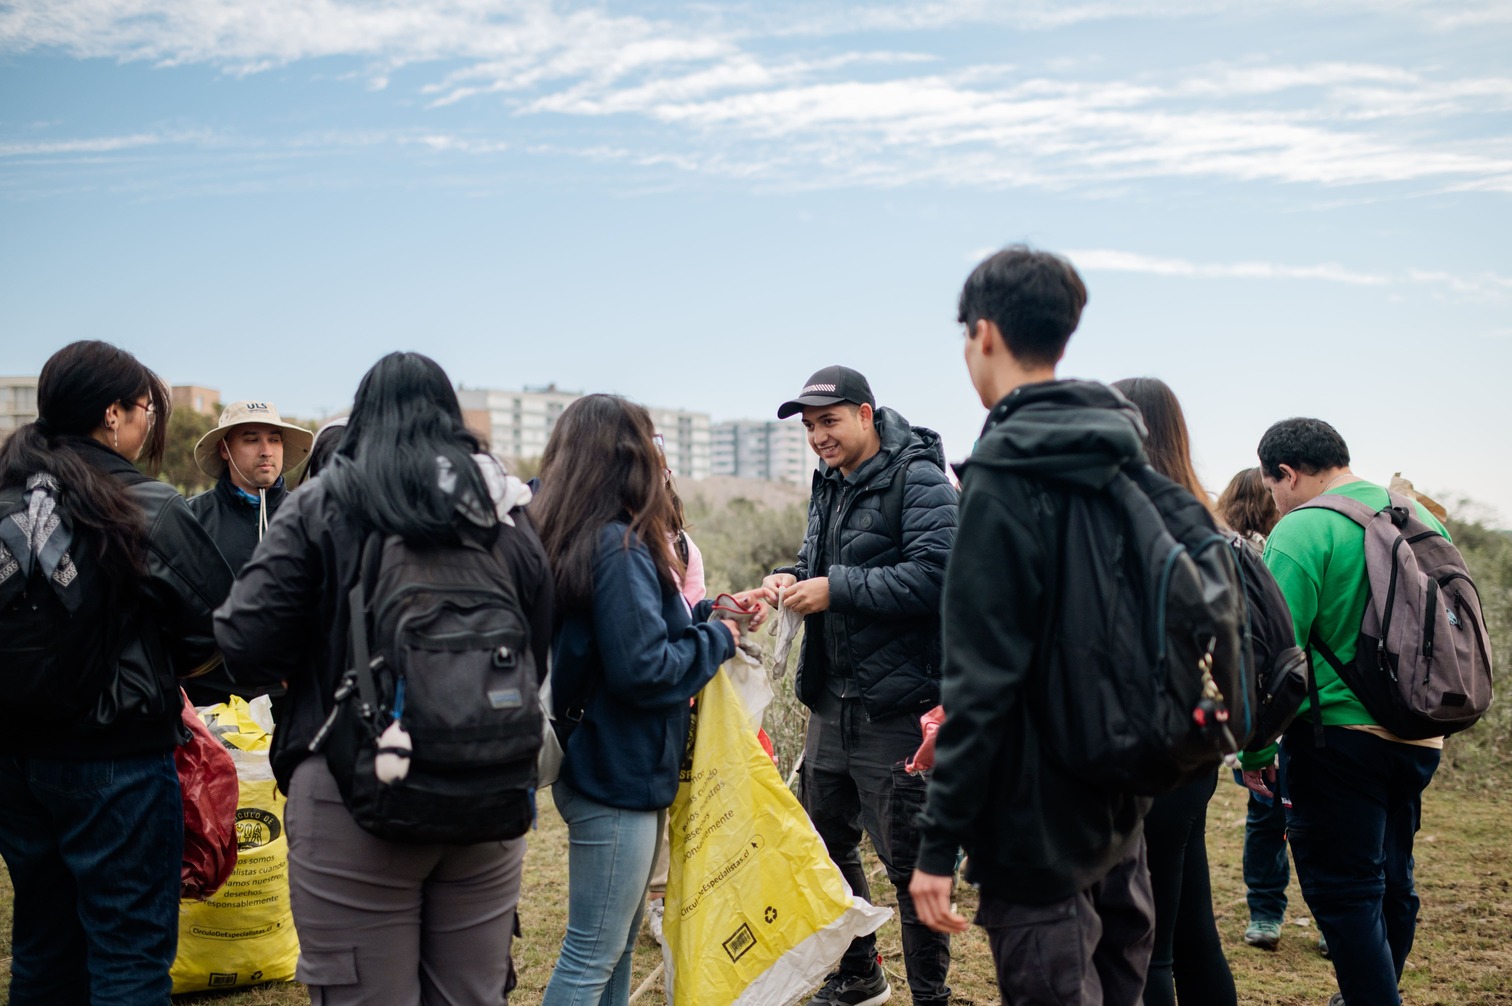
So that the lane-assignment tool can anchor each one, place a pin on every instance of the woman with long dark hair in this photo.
(629, 654)
(107, 584)
(1188, 956)
(383, 922)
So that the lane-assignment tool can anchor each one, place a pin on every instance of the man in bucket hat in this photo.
(248, 453)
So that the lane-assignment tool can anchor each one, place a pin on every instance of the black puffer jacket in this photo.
(1034, 833)
(165, 634)
(883, 623)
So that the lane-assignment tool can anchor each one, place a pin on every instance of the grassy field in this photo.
(1463, 955)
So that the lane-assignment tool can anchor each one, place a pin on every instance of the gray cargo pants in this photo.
(389, 924)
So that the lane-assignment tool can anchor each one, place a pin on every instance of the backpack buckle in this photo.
(503, 657)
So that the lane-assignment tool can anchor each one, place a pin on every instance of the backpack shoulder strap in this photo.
(1361, 513)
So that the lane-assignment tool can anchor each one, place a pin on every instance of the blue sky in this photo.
(1281, 208)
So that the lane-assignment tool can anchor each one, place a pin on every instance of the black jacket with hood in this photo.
(883, 623)
(233, 521)
(161, 632)
(1034, 834)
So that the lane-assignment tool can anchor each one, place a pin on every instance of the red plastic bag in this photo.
(207, 775)
(923, 759)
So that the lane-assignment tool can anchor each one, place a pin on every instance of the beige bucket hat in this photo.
(297, 440)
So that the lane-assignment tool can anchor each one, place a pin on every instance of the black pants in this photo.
(1088, 950)
(1187, 948)
(853, 779)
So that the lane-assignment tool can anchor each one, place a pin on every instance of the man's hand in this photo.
(1260, 780)
(931, 897)
(808, 597)
(774, 585)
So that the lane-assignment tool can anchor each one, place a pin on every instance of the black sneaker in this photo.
(841, 989)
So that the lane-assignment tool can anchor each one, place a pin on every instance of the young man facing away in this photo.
(1356, 800)
(1060, 864)
(868, 579)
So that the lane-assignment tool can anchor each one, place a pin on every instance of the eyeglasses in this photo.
(149, 408)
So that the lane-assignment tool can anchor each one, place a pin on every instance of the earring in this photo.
(115, 438)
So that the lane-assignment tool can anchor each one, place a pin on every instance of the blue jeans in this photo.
(95, 851)
(1356, 805)
(1266, 869)
(609, 860)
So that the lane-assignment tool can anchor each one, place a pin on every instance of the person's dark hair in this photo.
(1246, 505)
(326, 441)
(1033, 297)
(404, 418)
(601, 465)
(1168, 444)
(77, 384)
(1305, 445)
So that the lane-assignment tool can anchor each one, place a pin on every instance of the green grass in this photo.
(1463, 955)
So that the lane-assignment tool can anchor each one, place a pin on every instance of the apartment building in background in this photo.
(18, 403)
(516, 424)
(196, 399)
(776, 450)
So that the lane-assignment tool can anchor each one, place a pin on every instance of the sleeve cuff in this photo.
(936, 856)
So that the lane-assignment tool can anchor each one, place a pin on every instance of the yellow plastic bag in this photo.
(756, 913)
(244, 934)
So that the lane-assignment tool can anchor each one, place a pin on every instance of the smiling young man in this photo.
(868, 581)
(247, 452)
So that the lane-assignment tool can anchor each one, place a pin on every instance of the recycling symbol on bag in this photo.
(770, 915)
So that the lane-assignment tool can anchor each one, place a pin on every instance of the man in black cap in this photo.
(868, 582)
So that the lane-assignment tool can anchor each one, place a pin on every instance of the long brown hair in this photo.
(1246, 505)
(601, 464)
(1168, 444)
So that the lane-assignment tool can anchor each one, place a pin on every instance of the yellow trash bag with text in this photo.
(756, 913)
(244, 935)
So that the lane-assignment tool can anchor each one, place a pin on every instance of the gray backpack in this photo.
(1422, 666)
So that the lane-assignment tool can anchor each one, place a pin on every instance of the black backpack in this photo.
(1282, 678)
(1148, 685)
(439, 698)
(45, 671)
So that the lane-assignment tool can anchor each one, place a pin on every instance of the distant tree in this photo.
(185, 427)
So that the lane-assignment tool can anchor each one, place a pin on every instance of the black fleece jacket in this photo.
(883, 623)
(1035, 834)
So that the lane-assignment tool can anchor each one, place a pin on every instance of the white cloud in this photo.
(726, 95)
(1484, 285)
(96, 145)
(1103, 259)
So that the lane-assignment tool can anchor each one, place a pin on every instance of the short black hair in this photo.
(1304, 445)
(1033, 297)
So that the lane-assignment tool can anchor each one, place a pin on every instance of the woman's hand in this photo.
(734, 629)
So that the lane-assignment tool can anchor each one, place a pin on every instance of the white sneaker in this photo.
(654, 913)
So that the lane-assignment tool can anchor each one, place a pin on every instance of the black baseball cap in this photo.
(828, 386)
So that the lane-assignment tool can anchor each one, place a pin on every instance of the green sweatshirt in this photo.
(1318, 558)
